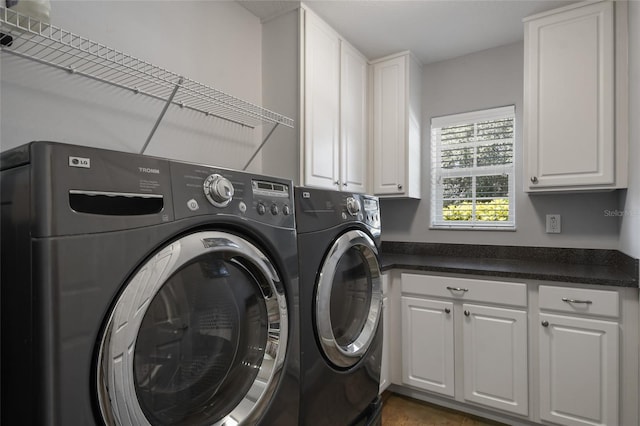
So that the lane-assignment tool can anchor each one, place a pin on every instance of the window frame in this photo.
(438, 172)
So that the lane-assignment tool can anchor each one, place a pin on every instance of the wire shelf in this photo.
(47, 44)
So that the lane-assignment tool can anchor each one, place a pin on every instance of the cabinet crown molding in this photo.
(563, 9)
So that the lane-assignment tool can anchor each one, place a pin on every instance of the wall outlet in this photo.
(553, 224)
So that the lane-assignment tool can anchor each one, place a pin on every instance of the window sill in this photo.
(472, 228)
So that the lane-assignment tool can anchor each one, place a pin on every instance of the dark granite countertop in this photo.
(601, 267)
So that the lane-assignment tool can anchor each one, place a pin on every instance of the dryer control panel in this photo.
(371, 207)
(319, 209)
(206, 190)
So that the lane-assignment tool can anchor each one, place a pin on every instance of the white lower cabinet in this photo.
(490, 341)
(579, 358)
(427, 345)
(532, 352)
(495, 357)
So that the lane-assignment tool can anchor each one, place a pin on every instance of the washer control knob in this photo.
(353, 206)
(262, 209)
(218, 190)
(274, 209)
(286, 210)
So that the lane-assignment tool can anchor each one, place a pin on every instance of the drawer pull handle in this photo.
(447, 310)
(586, 302)
(467, 313)
(545, 323)
(457, 289)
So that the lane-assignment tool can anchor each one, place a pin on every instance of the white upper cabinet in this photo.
(396, 126)
(353, 119)
(321, 104)
(312, 72)
(335, 110)
(570, 100)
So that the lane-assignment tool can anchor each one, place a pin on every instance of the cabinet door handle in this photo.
(344, 184)
(467, 313)
(399, 186)
(457, 289)
(567, 300)
(545, 323)
(534, 179)
(447, 310)
(337, 183)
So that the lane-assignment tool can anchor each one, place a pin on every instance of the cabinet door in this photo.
(353, 120)
(578, 371)
(427, 344)
(321, 104)
(569, 98)
(495, 357)
(389, 125)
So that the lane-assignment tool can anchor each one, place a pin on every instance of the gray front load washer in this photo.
(141, 291)
(340, 307)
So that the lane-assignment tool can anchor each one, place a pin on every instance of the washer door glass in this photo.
(348, 299)
(197, 337)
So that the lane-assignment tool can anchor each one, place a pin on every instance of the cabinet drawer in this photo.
(580, 301)
(466, 289)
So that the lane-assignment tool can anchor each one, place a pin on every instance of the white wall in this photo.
(281, 92)
(489, 79)
(217, 43)
(630, 199)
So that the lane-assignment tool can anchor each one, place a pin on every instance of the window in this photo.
(472, 171)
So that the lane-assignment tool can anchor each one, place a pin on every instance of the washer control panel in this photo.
(218, 190)
(275, 198)
(206, 190)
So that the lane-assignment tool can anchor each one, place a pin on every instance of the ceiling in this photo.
(434, 30)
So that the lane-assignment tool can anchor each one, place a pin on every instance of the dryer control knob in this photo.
(262, 209)
(218, 190)
(353, 206)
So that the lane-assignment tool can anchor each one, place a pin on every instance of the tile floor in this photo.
(399, 410)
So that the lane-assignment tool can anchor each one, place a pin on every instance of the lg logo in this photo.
(80, 162)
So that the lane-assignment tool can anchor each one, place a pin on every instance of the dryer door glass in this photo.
(348, 299)
(197, 336)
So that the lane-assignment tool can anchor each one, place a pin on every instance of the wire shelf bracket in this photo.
(29, 38)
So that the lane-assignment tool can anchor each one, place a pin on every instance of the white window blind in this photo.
(472, 170)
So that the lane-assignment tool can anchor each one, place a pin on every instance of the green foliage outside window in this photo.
(472, 169)
(496, 210)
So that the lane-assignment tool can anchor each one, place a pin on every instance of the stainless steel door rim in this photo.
(349, 354)
(116, 378)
